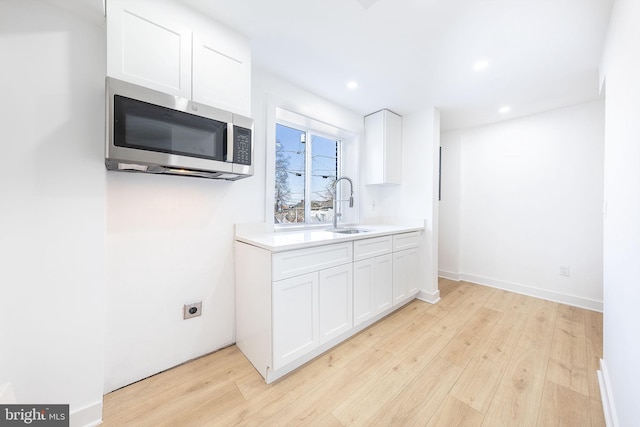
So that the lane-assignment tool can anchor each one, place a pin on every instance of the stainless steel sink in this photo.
(348, 230)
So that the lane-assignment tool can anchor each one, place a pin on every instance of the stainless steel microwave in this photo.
(153, 132)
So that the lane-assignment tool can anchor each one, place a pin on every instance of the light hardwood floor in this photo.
(480, 357)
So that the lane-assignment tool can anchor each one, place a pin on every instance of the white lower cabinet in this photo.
(293, 305)
(372, 276)
(406, 267)
(310, 310)
(372, 287)
(363, 275)
(382, 283)
(295, 318)
(312, 299)
(335, 302)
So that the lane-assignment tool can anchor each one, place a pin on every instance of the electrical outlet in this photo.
(565, 271)
(192, 310)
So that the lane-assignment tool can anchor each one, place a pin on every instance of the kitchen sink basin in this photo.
(348, 230)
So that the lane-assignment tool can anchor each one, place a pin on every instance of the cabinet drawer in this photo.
(368, 248)
(406, 241)
(302, 261)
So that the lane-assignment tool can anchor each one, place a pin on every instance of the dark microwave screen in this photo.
(145, 126)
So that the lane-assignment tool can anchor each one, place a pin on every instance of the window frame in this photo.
(310, 131)
(328, 119)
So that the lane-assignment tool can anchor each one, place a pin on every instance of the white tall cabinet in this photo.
(166, 46)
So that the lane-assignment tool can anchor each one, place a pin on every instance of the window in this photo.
(307, 164)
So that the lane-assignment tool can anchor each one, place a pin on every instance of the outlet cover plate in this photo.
(192, 310)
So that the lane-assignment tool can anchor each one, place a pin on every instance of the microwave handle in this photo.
(229, 148)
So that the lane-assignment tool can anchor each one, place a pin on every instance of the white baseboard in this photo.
(449, 275)
(6, 394)
(609, 409)
(573, 300)
(88, 416)
(430, 297)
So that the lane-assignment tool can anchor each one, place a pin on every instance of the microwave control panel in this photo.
(242, 145)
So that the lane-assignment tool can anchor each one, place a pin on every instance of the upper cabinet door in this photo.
(166, 46)
(383, 148)
(147, 45)
(222, 72)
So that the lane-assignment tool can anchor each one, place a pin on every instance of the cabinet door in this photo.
(399, 277)
(405, 274)
(363, 279)
(147, 46)
(382, 283)
(295, 318)
(413, 271)
(222, 72)
(335, 301)
(383, 148)
(372, 287)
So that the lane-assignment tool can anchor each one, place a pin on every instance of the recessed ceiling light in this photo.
(352, 85)
(481, 65)
(504, 110)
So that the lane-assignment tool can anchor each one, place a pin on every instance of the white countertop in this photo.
(305, 238)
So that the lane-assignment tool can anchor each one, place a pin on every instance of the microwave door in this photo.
(154, 128)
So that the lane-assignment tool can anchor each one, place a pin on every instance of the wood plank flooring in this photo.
(480, 357)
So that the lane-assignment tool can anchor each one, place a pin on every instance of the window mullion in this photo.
(338, 188)
(308, 161)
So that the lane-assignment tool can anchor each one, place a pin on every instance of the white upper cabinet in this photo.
(383, 148)
(147, 47)
(222, 73)
(165, 46)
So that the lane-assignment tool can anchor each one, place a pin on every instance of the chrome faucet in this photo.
(335, 199)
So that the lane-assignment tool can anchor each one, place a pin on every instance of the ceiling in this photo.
(407, 55)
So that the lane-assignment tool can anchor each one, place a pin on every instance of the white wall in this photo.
(170, 242)
(449, 206)
(531, 201)
(621, 66)
(269, 93)
(417, 197)
(52, 207)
